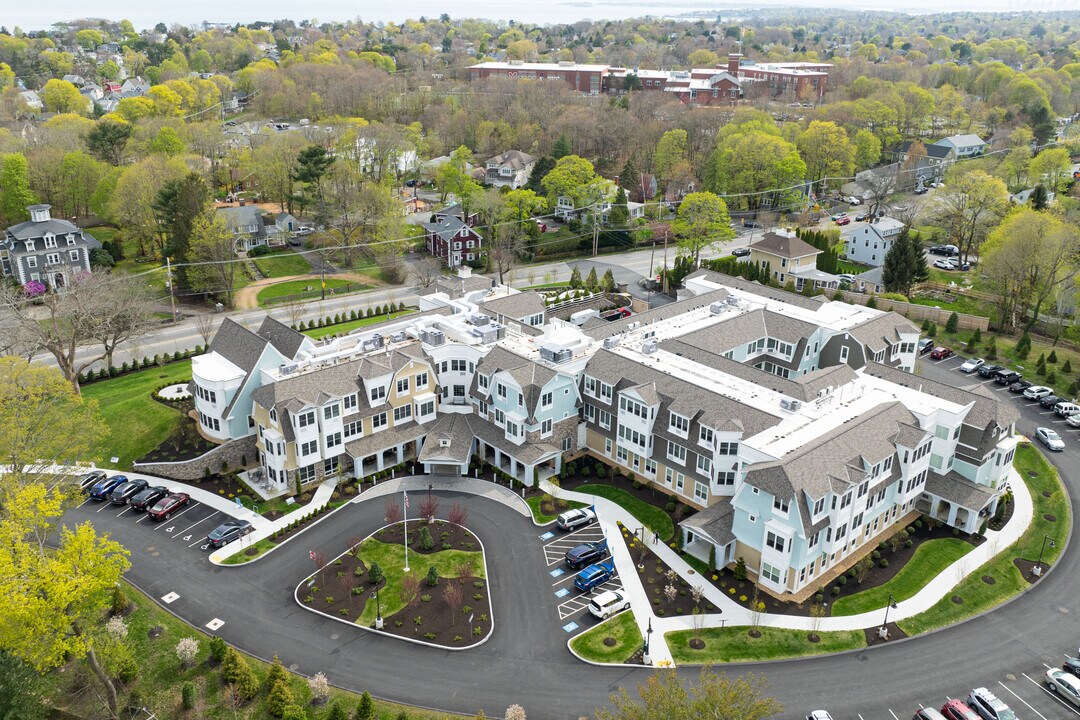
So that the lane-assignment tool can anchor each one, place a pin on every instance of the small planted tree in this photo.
(425, 540)
(186, 650)
(320, 688)
(392, 510)
(280, 697)
(277, 672)
(365, 709)
(952, 323)
(375, 574)
(428, 507)
(453, 596)
(432, 578)
(465, 571)
(862, 568)
(458, 514)
(817, 614)
(410, 588)
(740, 569)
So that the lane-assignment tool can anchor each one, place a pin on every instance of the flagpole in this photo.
(405, 495)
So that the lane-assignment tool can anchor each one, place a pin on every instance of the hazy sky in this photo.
(145, 13)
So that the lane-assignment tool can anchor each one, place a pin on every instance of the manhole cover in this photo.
(334, 636)
(294, 667)
(1063, 610)
(1010, 676)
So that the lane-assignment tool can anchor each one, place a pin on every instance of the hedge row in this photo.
(352, 316)
(91, 376)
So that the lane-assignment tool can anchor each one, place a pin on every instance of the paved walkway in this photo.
(733, 613)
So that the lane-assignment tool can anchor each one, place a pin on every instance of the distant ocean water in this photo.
(146, 13)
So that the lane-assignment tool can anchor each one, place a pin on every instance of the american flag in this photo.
(406, 500)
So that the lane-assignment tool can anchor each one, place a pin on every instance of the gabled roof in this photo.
(237, 217)
(516, 306)
(237, 344)
(880, 332)
(530, 376)
(448, 228)
(514, 158)
(784, 246)
(281, 336)
(959, 141)
(936, 151)
(29, 230)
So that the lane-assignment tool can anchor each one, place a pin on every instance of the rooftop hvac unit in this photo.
(648, 347)
(732, 300)
(611, 342)
(555, 353)
(433, 338)
(717, 308)
(398, 337)
(479, 319)
(287, 369)
(373, 343)
(792, 405)
(487, 334)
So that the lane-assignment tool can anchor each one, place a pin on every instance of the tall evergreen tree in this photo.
(630, 179)
(561, 148)
(619, 213)
(540, 170)
(178, 205)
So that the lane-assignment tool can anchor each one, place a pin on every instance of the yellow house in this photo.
(784, 253)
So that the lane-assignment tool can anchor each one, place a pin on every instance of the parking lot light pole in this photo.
(1046, 539)
(890, 604)
(378, 609)
(645, 648)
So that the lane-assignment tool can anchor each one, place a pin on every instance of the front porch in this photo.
(958, 502)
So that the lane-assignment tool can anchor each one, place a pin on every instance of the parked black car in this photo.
(122, 493)
(228, 531)
(989, 370)
(1050, 401)
(1006, 377)
(148, 496)
(1020, 386)
(586, 554)
(741, 252)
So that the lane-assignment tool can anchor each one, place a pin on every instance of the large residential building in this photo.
(45, 249)
(871, 241)
(790, 259)
(794, 426)
(510, 169)
(722, 85)
(452, 241)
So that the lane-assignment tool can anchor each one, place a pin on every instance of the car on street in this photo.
(1050, 439)
(1066, 409)
(837, 216)
(940, 353)
(926, 345)
(102, 488)
(90, 479)
(164, 508)
(861, 217)
(819, 715)
(945, 264)
(1037, 391)
(922, 190)
(1071, 665)
(852, 200)
(1073, 420)
(988, 371)
(751, 224)
(1019, 386)
(595, 575)
(148, 497)
(575, 518)
(228, 531)
(608, 603)
(741, 252)
(1050, 401)
(957, 710)
(1006, 377)
(989, 705)
(1065, 684)
(946, 250)
(303, 230)
(586, 553)
(123, 492)
(844, 221)
(971, 365)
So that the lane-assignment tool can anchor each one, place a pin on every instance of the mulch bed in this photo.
(653, 573)
(995, 524)
(344, 582)
(877, 575)
(873, 638)
(645, 493)
(184, 443)
(1026, 568)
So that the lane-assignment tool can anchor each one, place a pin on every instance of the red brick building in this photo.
(588, 79)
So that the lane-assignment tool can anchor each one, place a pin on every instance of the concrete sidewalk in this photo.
(733, 613)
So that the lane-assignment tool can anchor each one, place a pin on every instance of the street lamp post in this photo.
(645, 649)
(885, 624)
(1038, 566)
(378, 609)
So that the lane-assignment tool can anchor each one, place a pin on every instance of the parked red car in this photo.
(164, 508)
(846, 220)
(940, 353)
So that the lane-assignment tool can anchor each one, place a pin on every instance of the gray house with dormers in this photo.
(45, 249)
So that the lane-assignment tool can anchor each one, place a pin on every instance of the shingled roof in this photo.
(237, 344)
(785, 246)
(281, 336)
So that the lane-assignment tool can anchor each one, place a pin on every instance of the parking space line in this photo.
(104, 504)
(1051, 694)
(189, 507)
(126, 508)
(893, 714)
(216, 512)
(1022, 699)
(84, 502)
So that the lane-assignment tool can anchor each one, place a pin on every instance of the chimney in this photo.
(464, 271)
(39, 213)
(733, 63)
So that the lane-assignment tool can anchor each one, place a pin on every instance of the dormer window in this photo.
(70, 239)
(30, 246)
(50, 241)
(680, 424)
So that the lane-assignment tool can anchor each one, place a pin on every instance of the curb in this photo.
(487, 579)
(220, 562)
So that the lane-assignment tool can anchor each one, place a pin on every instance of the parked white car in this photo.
(1073, 420)
(1064, 684)
(972, 364)
(1037, 392)
(608, 603)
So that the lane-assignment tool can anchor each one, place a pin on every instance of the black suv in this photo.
(989, 370)
(125, 491)
(586, 553)
(1006, 377)
(148, 497)
(1050, 401)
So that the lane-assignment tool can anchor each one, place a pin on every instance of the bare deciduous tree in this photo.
(392, 510)
(454, 597)
(410, 588)
(427, 271)
(204, 325)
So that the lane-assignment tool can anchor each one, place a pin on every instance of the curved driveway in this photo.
(526, 660)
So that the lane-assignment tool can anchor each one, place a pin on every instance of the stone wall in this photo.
(231, 452)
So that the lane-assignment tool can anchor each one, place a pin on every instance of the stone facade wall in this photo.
(231, 452)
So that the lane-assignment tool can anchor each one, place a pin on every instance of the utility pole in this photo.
(595, 234)
(664, 274)
(652, 270)
(169, 278)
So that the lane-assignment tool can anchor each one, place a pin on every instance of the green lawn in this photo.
(590, 644)
(734, 644)
(240, 557)
(963, 304)
(534, 504)
(648, 515)
(137, 423)
(275, 293)
(282, 263)
(929, 560)
(160, 677)
(391, 558)
(977, 595)
(321, 332)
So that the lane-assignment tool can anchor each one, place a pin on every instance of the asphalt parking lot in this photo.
(573, 605)
(1024, 691)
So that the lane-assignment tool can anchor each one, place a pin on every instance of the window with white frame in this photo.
(421, 380)
(309, 448)
(402, 413)
(727, 448)
(73, 255)
(819, 506)
(546, 400)
(349, 402)
(604, 419)
(701, 492)
(356, 427)
(725, 477)
(705, 435)
(306, 419)
(780, 504)
(679, 424)
(31, 262)
(776, 542)
(770, 573)
(331, 411)
(378, 393)
(704, 465)
(378, 421)
(545, 428)
(52, 258)
(306, 473)
(50, 241)
(273, 415)
(500, 390)
(650, 467)
(676, 452)
(605, 391)
(590, 386)
(330, 465)
(590, 413)
(482, 381)
(622, 454)
(403, 386)
(333, 440)
(428, 407)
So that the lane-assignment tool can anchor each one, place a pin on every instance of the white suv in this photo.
(988, 705)
(608, 603)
